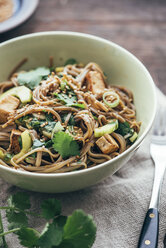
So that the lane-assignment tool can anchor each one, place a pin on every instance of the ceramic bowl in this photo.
(121, 68)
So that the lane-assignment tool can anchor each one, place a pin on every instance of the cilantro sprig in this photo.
(124, 129)
(65, 144)
(76, 230)
(69, 101)
(32, 78)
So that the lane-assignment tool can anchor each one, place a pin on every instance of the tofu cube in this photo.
(14, 141)
(107, 144)
(7, 105)
(95, 83)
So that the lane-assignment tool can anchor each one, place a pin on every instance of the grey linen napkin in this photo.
(118, 203)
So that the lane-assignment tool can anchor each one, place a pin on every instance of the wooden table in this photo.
(137, 25)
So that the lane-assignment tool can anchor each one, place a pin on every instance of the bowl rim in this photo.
(131, 148)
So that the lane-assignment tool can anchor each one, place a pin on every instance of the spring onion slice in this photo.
(106, 129)
(133, 137)
(115, 102)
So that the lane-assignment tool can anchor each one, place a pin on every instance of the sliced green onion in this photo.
(115, 102)
(109, 128)
(63, 85)
(58, 128)
(133, 137)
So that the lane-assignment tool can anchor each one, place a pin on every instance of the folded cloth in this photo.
(118, 203)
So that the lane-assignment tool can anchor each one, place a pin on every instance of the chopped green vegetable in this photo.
(133, 137)
(26, 144)
(71, 120)
(57, 128)
(2, 155)
(69, 101)
(77, 230)
(8, 156)
(22, 92)
(124, 129)
(63, 85)
(65, 145)
(113, 95)
(95, 117)
(49, 117)
(71, 61)
(37, 143)
(109, 128)
(32, 78)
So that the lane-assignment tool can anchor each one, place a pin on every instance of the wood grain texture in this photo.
(139, 26)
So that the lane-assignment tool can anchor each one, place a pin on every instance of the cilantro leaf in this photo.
(66, 99)
(42, 71)
(124, 129)
(80, 230)
(51, 235)
(19, 200)
(28, 237)
(71, 61)
(69, 101)
(35, 123)
(16, 219)
(65, 145)
(50, 208)
(32, 78)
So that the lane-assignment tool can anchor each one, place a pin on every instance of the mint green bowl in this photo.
(121, 68)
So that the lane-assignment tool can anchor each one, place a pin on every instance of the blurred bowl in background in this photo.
(22, 10)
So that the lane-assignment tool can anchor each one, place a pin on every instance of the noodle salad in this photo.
(61, 119)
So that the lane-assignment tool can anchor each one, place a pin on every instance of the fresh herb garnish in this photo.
(40, 125)
(124, 129)
(77, 230)
(32, 78)
(71, 61)
(65, 145)
(48, 144)
(69, 101)
(71, 120)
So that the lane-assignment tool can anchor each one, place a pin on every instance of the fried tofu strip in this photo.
(107, 144)
(7, 105)
(95, 83)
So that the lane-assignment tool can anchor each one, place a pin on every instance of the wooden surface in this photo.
(137, 25)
